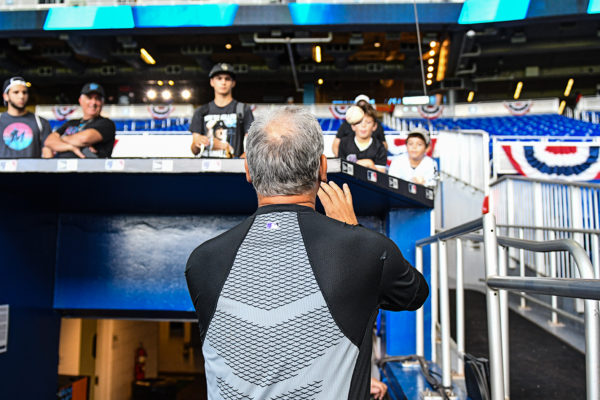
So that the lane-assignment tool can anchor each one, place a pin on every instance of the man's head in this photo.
(417, 143)
(15, 93)
(284, 152)
(222, 78)
(367, 125)
(91, 100)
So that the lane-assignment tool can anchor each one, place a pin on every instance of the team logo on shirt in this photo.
(18, 136)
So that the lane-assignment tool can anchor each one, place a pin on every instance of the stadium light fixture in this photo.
(171, 83)
(518, 90)
(317, 54)
(562, 106)
(432, 44)
(470, 96)
(186, 94)
(228, 46)
(431, 61)
(166, 95)
(376, 44)
(160, 83)
(151, 94)
(443, 60)
(429, 82)
(429, 75)
(147, 57)
(320, 81)
(430, 68)
(569, 87)
(432, 53)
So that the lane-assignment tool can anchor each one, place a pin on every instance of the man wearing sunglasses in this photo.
(23, 132)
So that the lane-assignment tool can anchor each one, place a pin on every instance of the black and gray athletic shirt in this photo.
(286, 303)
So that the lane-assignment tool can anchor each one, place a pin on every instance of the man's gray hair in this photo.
(283, 151)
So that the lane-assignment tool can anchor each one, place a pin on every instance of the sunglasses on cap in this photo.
(14, 81)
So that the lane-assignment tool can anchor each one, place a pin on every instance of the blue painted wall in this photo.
(29, 368)
(405, 227)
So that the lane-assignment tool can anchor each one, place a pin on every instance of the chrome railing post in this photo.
(553, 299)
(420, 345)
(523, 304)
(445, 315)
(434, 301)
(503, 295)
(460, 307)
(493, 309)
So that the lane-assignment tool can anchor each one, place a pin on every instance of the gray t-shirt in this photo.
(22, 137)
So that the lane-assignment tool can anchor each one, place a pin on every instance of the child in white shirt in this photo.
(414, 165)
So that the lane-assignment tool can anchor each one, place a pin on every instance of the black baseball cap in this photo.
(14, 81)
(222, 68)
(92, 88)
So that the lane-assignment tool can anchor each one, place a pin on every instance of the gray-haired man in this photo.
(287, 299)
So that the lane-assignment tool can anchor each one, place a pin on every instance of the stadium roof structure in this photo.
(366, 47)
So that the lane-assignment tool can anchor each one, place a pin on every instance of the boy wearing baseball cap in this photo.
(345, 129)
(224, 113)
(92, 136)
(23, 133)
(414, 165)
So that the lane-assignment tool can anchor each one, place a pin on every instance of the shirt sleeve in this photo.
(106, 128)
(197, 124)
(344, 130)
(248, 118)
(432, 173)
(381, 156)
(46, 130)
(61, 129)
(342, 150)
(402, 286)
(379, 134)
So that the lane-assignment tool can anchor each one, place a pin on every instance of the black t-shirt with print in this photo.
(103, 125)
(21, 136)
(375, 151)
(206, 117)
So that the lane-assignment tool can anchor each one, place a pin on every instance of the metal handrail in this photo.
(564, 287)
(459, 230)
(497, 305)
(550, 228)
(551, 181)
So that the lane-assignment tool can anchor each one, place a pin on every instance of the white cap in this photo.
(362, 97)
(421, 132)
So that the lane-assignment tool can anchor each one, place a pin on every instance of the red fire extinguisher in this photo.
(140, 363)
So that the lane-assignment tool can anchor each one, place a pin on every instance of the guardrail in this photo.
(497, 300)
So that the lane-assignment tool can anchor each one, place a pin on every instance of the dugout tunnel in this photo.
(110, 239)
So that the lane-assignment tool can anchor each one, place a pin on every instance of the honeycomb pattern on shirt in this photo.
(266, 355)
(271, 268)
(308, 392)
(230, 393)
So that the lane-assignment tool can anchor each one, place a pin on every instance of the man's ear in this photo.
(323, 169)
(248, 178)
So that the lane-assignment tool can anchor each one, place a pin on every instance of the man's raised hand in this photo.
(337, 202)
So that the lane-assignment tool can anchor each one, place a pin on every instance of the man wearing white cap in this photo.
(23, 132)
(346, 130)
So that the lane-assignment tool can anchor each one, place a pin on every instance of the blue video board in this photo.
(482, 11)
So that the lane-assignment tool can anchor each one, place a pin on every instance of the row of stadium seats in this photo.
(531, 125)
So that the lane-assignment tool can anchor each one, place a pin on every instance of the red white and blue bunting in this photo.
(572, 163)
(62, 112)
(397, 145)
(518, 108)
(339, 111)
(161, 111)
(431, 112)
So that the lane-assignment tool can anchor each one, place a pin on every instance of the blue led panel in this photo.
(370, 14)
(89, 17)
(594, 7)
(184, 16)
(481, 11)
